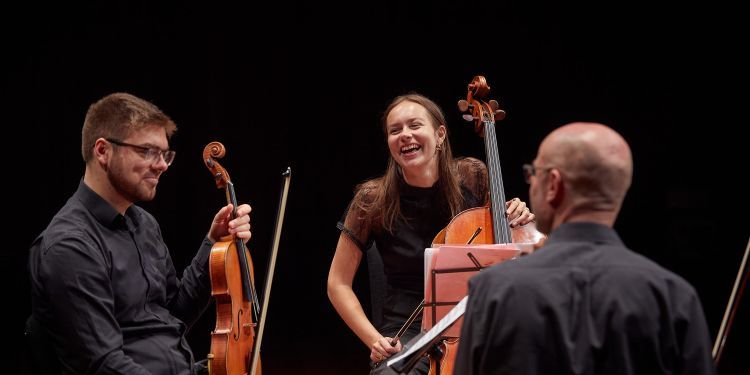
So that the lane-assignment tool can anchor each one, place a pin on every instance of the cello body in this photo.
(462, 227)
(444, 364)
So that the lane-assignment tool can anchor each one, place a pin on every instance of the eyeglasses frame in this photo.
(167, 155)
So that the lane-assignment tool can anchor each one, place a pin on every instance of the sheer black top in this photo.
(425, 213)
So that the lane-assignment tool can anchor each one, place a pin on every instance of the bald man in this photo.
(583, 303)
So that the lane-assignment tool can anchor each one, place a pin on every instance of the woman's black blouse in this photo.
(425, 213)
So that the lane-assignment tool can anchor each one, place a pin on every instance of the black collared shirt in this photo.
(583, 304)
(103, 285)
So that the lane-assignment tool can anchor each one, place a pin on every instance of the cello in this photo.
(238, 330)
(480, 225)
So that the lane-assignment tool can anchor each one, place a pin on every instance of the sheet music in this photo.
(439, 328)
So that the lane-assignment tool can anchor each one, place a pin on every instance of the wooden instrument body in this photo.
(463, 226)
(234, 334)
(233, 288)
(448, 348)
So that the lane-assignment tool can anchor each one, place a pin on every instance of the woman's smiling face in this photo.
(413, 138)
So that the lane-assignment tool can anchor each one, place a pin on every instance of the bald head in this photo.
(595, 167)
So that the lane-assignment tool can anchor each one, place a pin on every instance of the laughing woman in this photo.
(401, 212)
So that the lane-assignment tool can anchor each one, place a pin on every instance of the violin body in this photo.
(234, 335)
(233, 288)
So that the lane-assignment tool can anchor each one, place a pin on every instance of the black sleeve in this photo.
(188, 297)
(75, 277)
(694, 339)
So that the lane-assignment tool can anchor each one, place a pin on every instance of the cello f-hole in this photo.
(473, 236)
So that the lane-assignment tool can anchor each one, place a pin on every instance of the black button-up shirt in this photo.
(583, 304)
(104, 287)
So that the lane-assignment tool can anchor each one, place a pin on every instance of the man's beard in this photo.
(133, 192)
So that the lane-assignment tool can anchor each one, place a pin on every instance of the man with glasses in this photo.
(583, 303)
(103, 285)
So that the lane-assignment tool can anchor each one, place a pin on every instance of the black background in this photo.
(304, 84)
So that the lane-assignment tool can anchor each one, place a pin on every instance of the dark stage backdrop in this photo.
(300, 85)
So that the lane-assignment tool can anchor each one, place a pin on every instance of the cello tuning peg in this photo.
(463, 105)
(468, 117)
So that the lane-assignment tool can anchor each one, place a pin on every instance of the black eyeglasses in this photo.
(530, 170)
(150, 154)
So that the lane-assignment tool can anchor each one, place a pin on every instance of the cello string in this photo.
(500, 230)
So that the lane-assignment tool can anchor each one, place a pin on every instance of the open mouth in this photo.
(410, 149)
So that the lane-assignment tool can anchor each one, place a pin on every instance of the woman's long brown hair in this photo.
(379, 198)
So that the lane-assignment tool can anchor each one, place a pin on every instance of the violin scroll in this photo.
(212, 151)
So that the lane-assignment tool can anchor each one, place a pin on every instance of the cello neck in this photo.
(500, 227)
(484, 114)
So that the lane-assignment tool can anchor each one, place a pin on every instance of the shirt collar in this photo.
(584, 231)
(102, 211)
(410, 191)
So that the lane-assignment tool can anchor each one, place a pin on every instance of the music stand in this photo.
(448, 269)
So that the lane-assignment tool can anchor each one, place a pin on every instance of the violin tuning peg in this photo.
(463, 105)
(468, 117)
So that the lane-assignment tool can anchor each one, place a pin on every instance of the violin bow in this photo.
(734, 298)
(271, 266)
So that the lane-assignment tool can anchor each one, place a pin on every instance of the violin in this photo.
(232, 286)
(480, 225)
(236, 338)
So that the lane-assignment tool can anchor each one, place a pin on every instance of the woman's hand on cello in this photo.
(518, 213)
(382, 349)
(224, 225)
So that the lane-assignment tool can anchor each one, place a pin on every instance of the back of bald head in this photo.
(595, 161)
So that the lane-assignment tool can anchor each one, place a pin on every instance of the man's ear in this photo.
(102, 151)
(555, 188)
